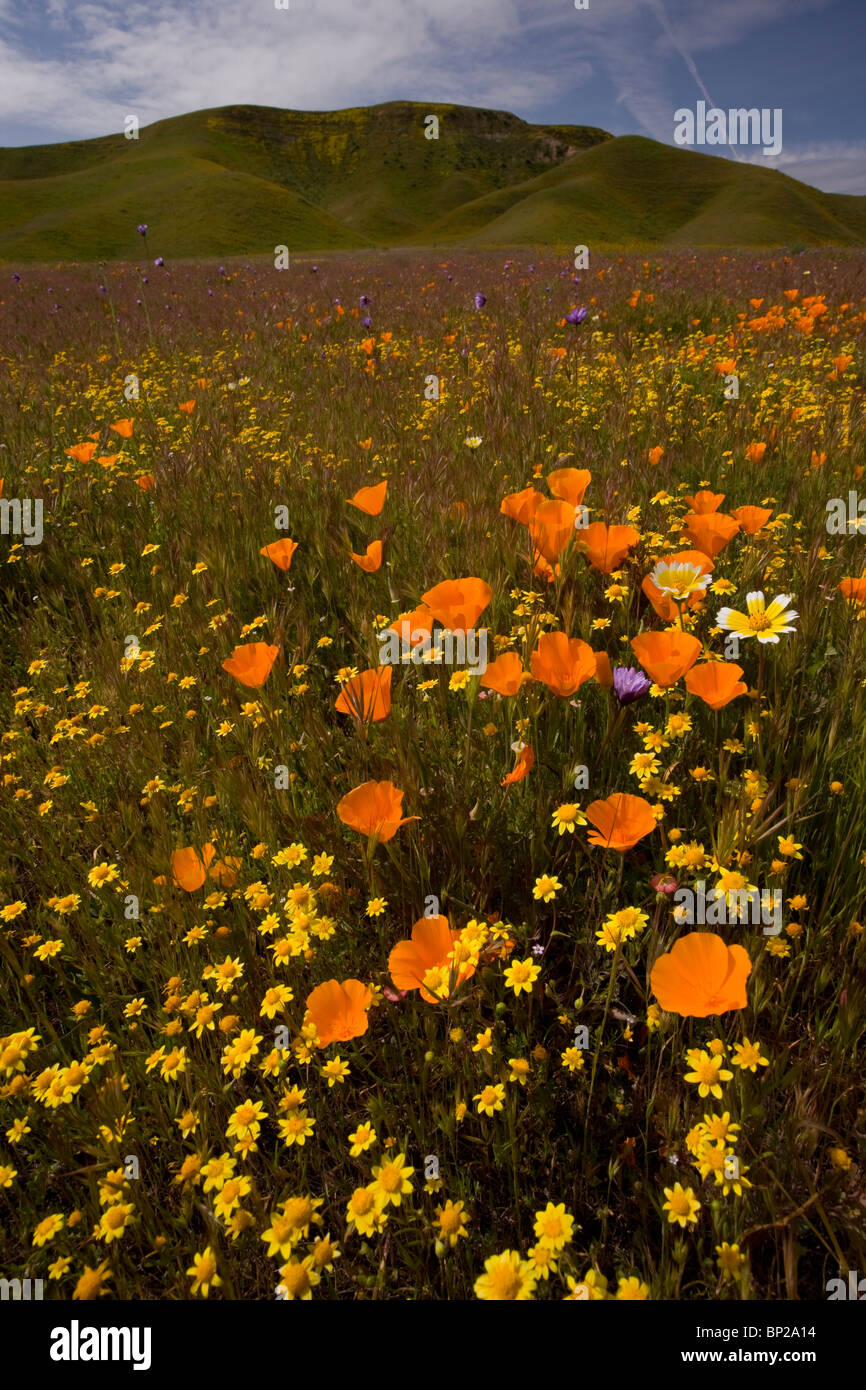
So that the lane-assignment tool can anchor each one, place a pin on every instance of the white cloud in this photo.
(835, 166)
(159, 59)
(89, 63)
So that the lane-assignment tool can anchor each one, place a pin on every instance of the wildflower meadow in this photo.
(433, 855)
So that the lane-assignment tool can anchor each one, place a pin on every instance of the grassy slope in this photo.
(632, 189)
(245, 179)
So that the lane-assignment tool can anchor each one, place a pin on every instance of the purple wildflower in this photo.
(480, 300)
(159, 261)
(629, 685)
(577, 315)
(142, 229)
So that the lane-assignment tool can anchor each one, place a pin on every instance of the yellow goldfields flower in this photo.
(490, 1099)
(506, 1278)
(203, 1272)
(522, 975)
(682, 1206)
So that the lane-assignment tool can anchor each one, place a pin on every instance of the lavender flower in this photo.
(159, 261)
(142, 229)
(577, 315)
(629, 685)
(480, 300)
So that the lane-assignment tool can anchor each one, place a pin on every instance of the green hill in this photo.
(241, 180)
(632, 189)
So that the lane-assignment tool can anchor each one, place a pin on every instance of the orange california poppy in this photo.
(280, 552)
(552, 528)
(853, 589)
(504, 675)
(603, 670)
(755, 452)
(189, 867)
(655, 455)
(620, 821)
(605, 547)
(563, 663)
(370, 561)
(187, 407)
(458, 603)
(752, 519)
(704, 502)
(701, 975)
(339, 1011)
(82, 453)
(709, 532)
(717, 683)
(525, 763)
(367, 697)
(570, 484)
(666, 656)
(146, 481)
(369, 499)
(544, 570)
(251, 664)
(429, 947)
(224, 872)
(691, 557)
(663, 605)
(413, 627)
(522, 506)
(374, 809)
(123, 428)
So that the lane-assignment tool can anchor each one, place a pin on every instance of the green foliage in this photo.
(243, 179)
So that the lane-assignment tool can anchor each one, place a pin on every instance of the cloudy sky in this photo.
(70, 69)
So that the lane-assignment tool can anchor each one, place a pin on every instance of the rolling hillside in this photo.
(242, 179)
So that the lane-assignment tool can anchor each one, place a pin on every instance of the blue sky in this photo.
(70, 69)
